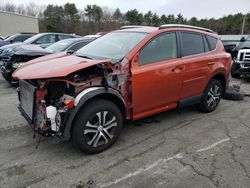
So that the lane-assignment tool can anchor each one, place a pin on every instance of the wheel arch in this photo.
(221, 78)
(87, 96)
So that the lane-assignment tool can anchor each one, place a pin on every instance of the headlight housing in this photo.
(17, 65)
(8, 51)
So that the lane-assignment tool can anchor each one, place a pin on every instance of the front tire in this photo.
(97, 126)
(211, 97)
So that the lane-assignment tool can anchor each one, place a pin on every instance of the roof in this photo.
(143, 29)
(5, 12)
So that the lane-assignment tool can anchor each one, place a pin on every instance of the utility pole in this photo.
(243, 25)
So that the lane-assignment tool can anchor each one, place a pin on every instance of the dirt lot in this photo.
(180, 148)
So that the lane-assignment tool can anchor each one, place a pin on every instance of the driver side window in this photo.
(161, 48)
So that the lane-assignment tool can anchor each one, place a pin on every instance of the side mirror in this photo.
(11, 41)
(242, 39)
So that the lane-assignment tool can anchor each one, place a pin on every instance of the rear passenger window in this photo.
(191, 44)
(212, 42)
(161, 48)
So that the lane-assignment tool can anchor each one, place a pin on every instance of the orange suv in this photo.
(130, 73)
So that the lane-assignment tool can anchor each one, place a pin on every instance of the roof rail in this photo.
(165, 26)
(133, 26)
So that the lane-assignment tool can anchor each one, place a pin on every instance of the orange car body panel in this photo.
(54, 67)
(154, 87)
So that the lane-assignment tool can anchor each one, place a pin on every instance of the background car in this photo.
(42, 39)
(243, 44)
(29, 52)
(241, 65)
(20, 37)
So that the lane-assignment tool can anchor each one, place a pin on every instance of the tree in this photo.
(97, 13)
(53, 18)
(180, 19)
(171, 18)
(10, 7)
(134, 18)
(155, 20)
(93, 19)
(89, 12)
(71, 12)
(164, 19)
(193, 21)
(93, 12)
(118, 16)
(148, 18)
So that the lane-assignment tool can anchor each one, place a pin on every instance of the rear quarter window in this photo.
(212, 42)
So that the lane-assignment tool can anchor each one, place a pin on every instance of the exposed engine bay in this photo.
(54, 98)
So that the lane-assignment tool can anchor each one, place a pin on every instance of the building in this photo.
(12, 23)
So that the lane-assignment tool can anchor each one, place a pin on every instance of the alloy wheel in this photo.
(213, 97)
(100, 129)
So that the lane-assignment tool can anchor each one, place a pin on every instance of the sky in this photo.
(188, 8)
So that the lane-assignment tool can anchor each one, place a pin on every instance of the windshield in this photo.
(59, 46)
(113, 46)
(10, 38)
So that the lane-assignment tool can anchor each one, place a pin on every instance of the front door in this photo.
(156, 79)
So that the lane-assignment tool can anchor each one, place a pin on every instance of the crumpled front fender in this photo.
(81, 99)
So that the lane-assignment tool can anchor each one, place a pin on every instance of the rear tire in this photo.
(97, 126)
(211, 97)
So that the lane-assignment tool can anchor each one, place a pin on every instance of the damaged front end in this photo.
(49, 105)
(44, 106)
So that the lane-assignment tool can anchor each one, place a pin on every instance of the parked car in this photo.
(30, 51)
(243, 44)
(20, 37)
(126, 74)
(229, 46)
(42, 39)
(241, 65)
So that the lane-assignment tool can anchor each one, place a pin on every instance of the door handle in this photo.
(177, 69)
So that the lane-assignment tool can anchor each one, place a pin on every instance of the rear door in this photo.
(196, 63)
(156, 78)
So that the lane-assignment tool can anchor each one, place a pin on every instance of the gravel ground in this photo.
(180, 148)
